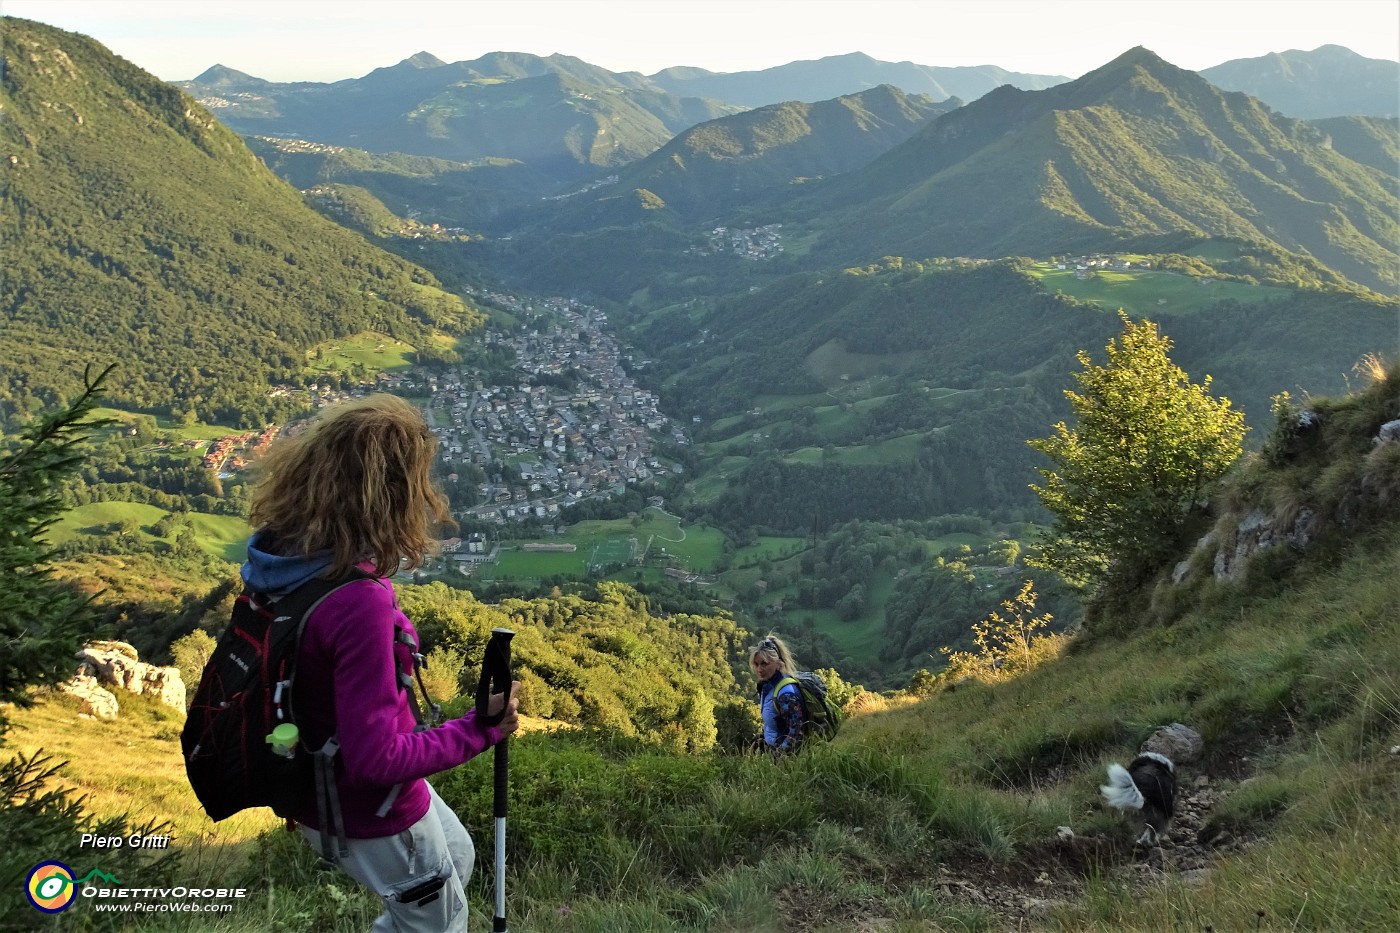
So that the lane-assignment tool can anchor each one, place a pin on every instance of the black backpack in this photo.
(823, 717)
(245, 692)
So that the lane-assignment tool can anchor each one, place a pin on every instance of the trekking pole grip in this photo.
(495, 675)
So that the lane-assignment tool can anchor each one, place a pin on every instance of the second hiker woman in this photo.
(351, 496)
(783, 716)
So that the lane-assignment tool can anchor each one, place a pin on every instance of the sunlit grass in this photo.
(1299, 676)
(131, 764)
(375, 352)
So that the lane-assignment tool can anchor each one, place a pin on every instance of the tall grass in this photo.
(1293, 679)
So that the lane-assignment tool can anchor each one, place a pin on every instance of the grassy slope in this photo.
(611, 541)
(1295, 690)
(222, 536)
(942, 813)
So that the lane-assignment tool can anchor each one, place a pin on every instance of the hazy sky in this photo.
(318, 40)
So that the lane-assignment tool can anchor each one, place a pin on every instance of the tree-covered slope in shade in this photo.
(454, 194)
(728, 162)
(1373, 141)
(946, 369)
(136, 229)
(1136, 148)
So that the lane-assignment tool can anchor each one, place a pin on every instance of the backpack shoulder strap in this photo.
(301, 601)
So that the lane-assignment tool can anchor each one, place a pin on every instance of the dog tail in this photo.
(1120, 791)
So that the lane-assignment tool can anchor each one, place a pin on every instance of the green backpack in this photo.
(823, 717)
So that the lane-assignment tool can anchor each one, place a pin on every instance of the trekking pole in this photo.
(496, 678)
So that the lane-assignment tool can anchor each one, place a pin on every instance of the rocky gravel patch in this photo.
(1052, 873)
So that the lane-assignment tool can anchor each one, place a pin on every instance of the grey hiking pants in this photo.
(419, 873)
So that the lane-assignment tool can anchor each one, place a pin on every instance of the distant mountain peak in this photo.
(223, 76)
(1139, 56)
(1126, 68)
(423, 60)
(860, 57)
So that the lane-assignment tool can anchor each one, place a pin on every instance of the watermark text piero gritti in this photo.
(134, 841)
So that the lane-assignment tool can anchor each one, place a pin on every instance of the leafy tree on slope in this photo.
(1148, 446)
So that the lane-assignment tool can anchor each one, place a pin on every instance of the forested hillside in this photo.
(1135, 148)
(909, 389)
(561, 116)
(708, 170)
(139, 230)
(441, 191)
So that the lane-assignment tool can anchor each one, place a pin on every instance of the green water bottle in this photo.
(284, 740)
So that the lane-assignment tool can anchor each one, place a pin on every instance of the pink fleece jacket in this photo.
(346, 684)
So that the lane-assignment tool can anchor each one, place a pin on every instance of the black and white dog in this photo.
(1147, 785)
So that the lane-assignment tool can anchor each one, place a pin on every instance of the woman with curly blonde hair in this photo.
(351, 498)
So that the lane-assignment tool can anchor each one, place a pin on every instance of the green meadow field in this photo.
(375, 352)
(1146, 292)
(655, 537)
(894, 450)
(222, 536)
(181, 432)
(769, 547)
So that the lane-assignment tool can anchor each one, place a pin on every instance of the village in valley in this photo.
(566, 445)
(574, 426)
(755, 243)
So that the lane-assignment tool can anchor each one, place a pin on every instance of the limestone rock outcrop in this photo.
(116, 664)
(97, 700)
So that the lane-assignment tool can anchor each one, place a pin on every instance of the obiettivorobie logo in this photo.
(51, 887)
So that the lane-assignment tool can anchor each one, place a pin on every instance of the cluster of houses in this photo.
(1083, 266)
(591, 186)
(233, 451)
(320, 394)
(585, 429)
(215, 102)
(755, 243)
(470, 552)
(565, 444)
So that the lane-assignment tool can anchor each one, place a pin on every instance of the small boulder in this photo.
(1389, 433)
(1178, 742)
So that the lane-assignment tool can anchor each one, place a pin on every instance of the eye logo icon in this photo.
(50, 887)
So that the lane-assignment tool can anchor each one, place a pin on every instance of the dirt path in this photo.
(1054, 872)
(1051, 873)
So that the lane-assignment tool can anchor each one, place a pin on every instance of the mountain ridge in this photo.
(559, 115)
(841, 75)
(1136, 147)
(138, 228)
(1328, 81)
(719, 164)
